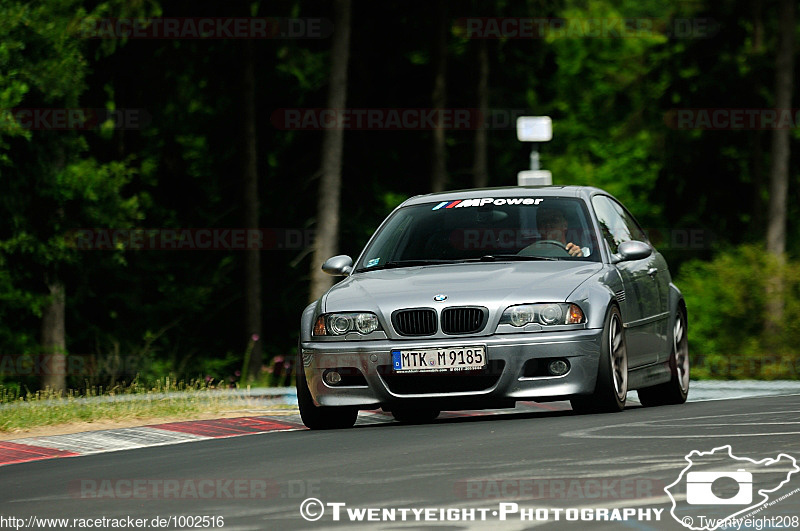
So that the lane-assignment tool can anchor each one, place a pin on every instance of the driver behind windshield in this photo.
(553, 226)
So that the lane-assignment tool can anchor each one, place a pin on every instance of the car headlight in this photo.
(337, 324)
(545, 314)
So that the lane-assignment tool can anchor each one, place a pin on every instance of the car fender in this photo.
(307, 320)
(676, 301)
(596, 294)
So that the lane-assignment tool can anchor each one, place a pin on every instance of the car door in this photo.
(660, 273)
(641, 300)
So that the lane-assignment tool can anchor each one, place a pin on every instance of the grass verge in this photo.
(163, 399)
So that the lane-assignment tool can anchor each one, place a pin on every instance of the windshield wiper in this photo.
(486, 258)
(521, 258)
(405, 263)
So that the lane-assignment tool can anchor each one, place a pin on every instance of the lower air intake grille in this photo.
(415, 322)
(442, 382)
(464, 320)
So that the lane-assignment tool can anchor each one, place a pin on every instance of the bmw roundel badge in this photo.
(440, 298)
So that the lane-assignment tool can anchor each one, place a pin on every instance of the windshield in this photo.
(549, 228)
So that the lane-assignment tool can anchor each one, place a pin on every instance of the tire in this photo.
(611, 389)
(415, 416)
(676, 390)
(316, 417)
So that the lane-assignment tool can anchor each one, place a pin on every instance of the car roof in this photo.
(506, 191)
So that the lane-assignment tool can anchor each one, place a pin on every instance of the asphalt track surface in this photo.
(465, 462)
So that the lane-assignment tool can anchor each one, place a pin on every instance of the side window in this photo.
(616, 224)
(630, 222)
(390, 242)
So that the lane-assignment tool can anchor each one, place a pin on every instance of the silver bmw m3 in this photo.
(475, 299)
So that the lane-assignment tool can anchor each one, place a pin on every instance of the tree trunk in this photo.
(439, 100)
(480, 171)
(757, 42)
(758, 208)
(327, 237)
(779, 165)
(54, 343)
(252, 256)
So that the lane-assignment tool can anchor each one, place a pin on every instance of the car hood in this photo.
(492, 284)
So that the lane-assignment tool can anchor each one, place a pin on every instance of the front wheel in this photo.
(316, 417)
(676, 390)
(611, 389)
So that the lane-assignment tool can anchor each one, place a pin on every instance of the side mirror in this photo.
(632, 250)
(338, 266)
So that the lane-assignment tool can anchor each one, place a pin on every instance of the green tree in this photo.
(326, 242)
(48, 184)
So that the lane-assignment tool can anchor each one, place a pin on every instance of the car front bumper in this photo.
(502, 383)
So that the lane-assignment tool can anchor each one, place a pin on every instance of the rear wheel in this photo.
(415, 415)
(316, 417)
(676, 390)
(611, 389)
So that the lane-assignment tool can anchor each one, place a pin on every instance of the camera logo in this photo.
(699, 488)
(718, 490)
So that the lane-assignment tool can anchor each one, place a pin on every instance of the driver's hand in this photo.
(573, 250)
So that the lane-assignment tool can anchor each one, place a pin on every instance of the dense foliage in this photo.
(701, 193)
(728, 298)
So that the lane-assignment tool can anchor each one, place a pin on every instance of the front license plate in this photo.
(439, 359)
